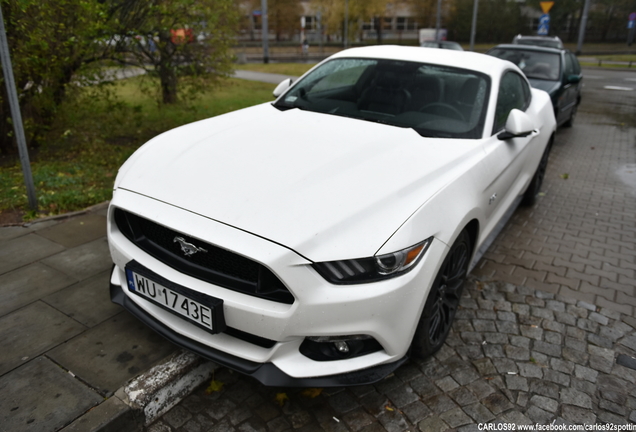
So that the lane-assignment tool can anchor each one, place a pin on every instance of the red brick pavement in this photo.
(579, 239)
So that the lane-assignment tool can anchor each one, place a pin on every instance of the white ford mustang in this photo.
(322, 239)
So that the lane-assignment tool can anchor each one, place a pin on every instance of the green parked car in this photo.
(557, 71)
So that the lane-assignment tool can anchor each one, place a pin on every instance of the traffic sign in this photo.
(544, 25)
(546, 6)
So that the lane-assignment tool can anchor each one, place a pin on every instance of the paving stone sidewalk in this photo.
(579, 240)
(515, 355)
(64, 347)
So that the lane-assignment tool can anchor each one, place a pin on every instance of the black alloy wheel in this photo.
(570, 121)
(443, 299)
(530, 196)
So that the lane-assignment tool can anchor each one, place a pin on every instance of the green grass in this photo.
(77, 164)
(610, 65)
(294, 69)
(618, 57)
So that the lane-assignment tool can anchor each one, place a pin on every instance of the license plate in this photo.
(197, 308)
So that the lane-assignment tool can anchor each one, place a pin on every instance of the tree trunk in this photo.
(166, 70)
(168, 80)
(378, 28)
(7, 143)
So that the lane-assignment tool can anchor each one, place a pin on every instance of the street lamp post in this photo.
(438, 20)
(346, 24)
(16, 115)
(579, 45)
(473, 28)
(265, 31)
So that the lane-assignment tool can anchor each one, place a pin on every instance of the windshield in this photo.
(435, 101)
(550, 43)
(534, 64)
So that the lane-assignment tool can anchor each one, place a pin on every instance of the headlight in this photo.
(363, 270)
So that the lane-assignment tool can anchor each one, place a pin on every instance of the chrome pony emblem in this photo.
(188, 249)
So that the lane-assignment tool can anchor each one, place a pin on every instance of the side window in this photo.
(576, 67)
(569, 65)
(513, 93)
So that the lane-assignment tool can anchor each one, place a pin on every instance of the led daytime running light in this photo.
(363, 270)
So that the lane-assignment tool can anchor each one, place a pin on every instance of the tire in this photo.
(530, 196)
(443, 299)
(570, 121)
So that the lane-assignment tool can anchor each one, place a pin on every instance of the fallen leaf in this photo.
(215, 386)
(565, 176)
(312, 392)
(281, 398)
(388, 408)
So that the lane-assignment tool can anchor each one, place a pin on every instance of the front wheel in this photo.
(443, 299)
(530, 196)
(570, 121)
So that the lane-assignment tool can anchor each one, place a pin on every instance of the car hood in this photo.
(545, 85)
(324, 186)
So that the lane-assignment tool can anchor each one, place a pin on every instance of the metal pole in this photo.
(16, 115)
(579, 45)
(265, 31)
(319, 16)
(346, 24)
(438, 21)
(473, 29)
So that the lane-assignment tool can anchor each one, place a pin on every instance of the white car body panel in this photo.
(300, 180)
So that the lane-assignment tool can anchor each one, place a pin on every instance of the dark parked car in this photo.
(443, 44)
(556, 71)
(545, 41)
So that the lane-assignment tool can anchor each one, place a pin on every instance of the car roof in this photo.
(537, 37)
(459, 59)
(530, 48)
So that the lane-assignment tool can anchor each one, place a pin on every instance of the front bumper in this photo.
(267, 373)
(388, 310)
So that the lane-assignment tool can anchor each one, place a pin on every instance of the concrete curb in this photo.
(153, 393)
(148, 396)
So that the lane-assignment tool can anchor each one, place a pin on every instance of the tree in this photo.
(497, 21)
(425, 11)
(172, 39)
(609, 18)
(49, 42)
(283, 16)
(333, 14)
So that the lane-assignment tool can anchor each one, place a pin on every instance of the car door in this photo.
(571, 84)
(505, 168)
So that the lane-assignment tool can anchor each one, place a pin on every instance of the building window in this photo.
(368, 25)
(400, 23)
(310, 23)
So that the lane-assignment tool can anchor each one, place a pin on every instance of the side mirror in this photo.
(518, 125)
(574, 79)
(282, 87)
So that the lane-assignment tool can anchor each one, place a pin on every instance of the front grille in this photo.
(216, 265)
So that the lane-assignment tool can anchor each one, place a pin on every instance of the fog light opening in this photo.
(342, 347)
(329, 348)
